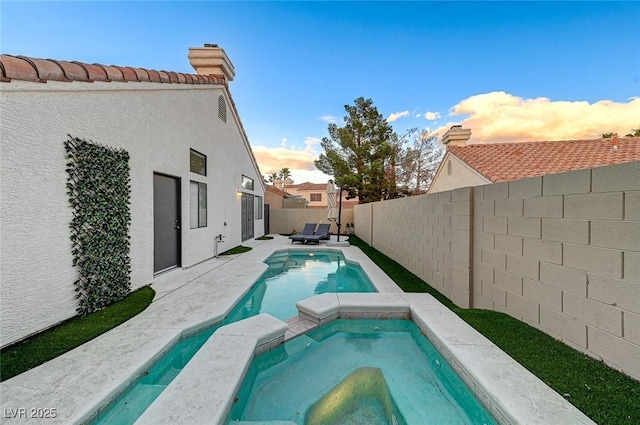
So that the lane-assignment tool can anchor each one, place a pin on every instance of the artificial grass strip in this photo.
(264, 238)
(237, 250)
(607, 396)
(44, 346)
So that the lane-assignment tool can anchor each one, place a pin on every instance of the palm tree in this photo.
(285, 173)
(634, 133)
(271, 178)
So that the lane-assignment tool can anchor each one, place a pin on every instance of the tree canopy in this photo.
(417, 164)
(635, 132)
(358, 154)
(284, 174)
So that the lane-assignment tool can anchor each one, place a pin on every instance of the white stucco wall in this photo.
(157, 124)
(461, 175)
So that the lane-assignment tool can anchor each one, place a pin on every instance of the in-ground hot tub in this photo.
(208, 388)
(366, 371)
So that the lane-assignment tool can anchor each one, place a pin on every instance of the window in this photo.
(449, 167)
(316, 197)
(259, 208)
(198, 163)
(247, 183)
(222, 108)
(198, 205)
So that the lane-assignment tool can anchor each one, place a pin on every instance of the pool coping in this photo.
(82, 382)
(87, 378)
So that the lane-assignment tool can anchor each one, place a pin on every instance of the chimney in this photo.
(456, 136)
(615, 142)
(211, 60)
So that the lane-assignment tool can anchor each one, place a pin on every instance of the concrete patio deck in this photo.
(85, 379)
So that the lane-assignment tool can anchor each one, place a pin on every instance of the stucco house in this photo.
(316, 195)
(274, 197)
(465, 165)
(192, 174)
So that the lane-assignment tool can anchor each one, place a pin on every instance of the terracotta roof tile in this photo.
(164, 77)
(308, 186)
(71, 71)
(500, 162)
(128, 73)
(142, 74)
(18, 69)
(95, 72)
(42, 70)
(274, 189)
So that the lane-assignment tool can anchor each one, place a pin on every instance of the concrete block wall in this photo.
(285, 220)
(362, 215)
(429, 235)
(560, 252)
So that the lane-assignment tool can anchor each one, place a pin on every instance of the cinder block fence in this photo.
(559, 252)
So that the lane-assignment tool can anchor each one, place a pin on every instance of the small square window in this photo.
(247, 183)
(198, 163)
(198, 205)
(316, 197)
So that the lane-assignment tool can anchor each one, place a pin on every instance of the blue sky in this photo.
(509, 71)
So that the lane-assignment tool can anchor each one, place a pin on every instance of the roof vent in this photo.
(615, 142)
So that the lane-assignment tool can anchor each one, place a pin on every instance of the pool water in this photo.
(319, 378)
(295, 275)
(292, 275)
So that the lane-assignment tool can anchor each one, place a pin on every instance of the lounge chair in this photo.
(321, 234)
(308, 230)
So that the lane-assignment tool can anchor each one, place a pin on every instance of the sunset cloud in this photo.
(397, 115)
(274, 159)
(432, 115)
(503, 117)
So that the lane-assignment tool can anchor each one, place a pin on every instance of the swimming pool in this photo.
(357, 372)
(292, 275)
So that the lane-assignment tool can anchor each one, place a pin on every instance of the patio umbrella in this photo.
(332, 201)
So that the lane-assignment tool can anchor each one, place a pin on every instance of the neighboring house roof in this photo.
(308, 186)
(346, 205)
(38, 70)
(500, 162)
(275, 190)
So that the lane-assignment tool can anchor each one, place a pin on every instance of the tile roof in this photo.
(501, 162)
(43, 70)
(308, 186)
(272, 188)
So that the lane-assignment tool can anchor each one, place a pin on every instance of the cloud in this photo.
(274, 159)
(284, 141)
(397, 115)
(431, 116)
(299, 161)
(503, 117)
(329, 118)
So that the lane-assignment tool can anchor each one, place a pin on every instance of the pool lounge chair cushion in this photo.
(321, 234)
(308, 230)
